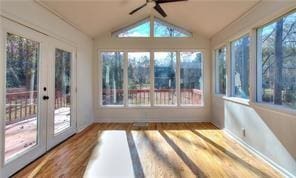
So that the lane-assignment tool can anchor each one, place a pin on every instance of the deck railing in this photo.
(21, 106)
(162, 96)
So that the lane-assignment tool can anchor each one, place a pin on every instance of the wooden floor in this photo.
(159, 150)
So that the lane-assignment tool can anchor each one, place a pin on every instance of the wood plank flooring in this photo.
(159, 150)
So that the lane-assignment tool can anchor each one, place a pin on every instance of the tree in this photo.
(279, 62)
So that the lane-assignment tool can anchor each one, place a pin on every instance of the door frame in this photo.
(46, 58)
(27, 156)
(53, 139)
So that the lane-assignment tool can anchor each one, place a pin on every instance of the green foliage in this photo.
(22, 62)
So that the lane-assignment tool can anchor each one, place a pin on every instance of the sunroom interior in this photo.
(174, 88)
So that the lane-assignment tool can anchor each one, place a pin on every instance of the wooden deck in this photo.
(21, 135)
(160, 150)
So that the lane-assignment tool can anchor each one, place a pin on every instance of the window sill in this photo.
(276, 108)
(237, 100)
(153, 107)
(219, 95)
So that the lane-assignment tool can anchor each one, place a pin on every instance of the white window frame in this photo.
(216, 77)
(257, 98)
(100, 64)
(125, 81)
(231, 96)
(151, 19)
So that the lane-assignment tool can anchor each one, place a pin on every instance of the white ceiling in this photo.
(96, 17)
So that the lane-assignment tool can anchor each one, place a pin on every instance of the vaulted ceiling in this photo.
(96, 17)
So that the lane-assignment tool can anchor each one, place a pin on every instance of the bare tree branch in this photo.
(268, 36)
(290, 29)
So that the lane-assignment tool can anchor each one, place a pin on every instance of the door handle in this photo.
(45, 97)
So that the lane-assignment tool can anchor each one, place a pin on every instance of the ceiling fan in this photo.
(156, 5)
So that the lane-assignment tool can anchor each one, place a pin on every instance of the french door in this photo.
(37, 95)
(61, 122)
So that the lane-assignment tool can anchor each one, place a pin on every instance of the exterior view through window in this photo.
(163, 29)
(221, 71)
(139, 78)
(144, 27)
(276, 47)
(22, 59)
(165, 78)
(62, 113)
(191, 78)
(240, 67)
(112, 78)
(136, 89)
(141, 29)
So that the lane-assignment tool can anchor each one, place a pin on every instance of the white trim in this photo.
(264, 158)
(216, 74)
(24, 157)
(116, 33)
(232, 63)
(237, 100)
(52, 137)
(152, 19)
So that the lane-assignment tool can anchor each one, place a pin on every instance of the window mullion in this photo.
(228, 71)
(125, 80)
(252, 64)
(152, 78)
(151, 26)
(178, 78)
(258, 66)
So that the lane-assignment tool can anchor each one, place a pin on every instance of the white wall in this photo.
(37, 17)
(270, 132)
(106, 42)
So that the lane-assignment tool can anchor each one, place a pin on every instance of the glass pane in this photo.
(221, 71)
(191, 80)
(163, 29)
(240, 67)
(141, 29)
(112, 82)
(139, 78)
(165, 78)
(62, 113)
(22, 58)
(277, 47)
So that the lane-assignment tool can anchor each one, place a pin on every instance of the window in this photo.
(112, 81)
(140, 29)
(276, 62)
(191, 79)
(165, 78)
(221, 71)
(139, 78)
(127, 76)
(144, 28)
(164, 29)
(240, 67)
(22, 77)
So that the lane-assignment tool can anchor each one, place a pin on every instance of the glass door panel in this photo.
(21, 117)
(61, 122)
(62, 113)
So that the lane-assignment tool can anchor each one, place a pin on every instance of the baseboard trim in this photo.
(149, 121)
(267, 160)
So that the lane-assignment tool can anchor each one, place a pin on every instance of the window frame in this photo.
(152, 19)
(215, 70)
(258, 58)
(125, 81)
(100, 67)
(231, 68)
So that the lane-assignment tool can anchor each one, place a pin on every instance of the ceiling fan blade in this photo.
(135, 10)
(168, 1)
(160, 10)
